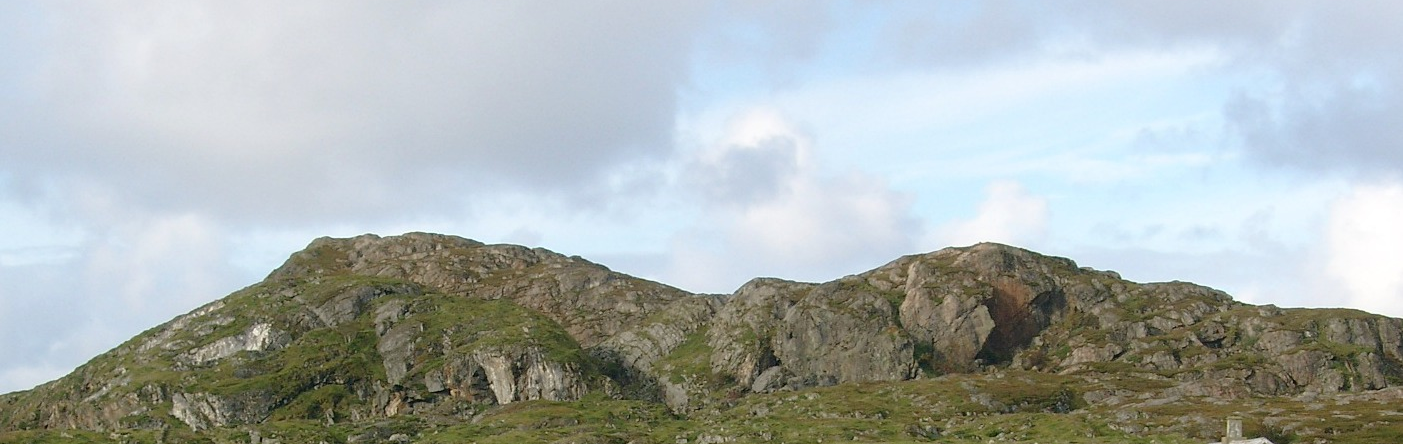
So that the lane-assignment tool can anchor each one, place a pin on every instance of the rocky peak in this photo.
(448, 263)
(977, 305)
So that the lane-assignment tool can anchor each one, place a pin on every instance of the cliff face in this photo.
(993, 305)
(354, 331)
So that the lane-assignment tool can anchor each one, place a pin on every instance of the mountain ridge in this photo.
(440, 331)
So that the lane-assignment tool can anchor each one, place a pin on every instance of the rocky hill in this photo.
(432, 338)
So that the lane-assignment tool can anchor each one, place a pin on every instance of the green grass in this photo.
(691, 358)
(55, 437)
(288, 431)
(172, 435)
(1240, 360)
(597, 417)
(1026, 407)
(472, 324)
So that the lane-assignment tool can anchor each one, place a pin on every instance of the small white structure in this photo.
(1233, 434)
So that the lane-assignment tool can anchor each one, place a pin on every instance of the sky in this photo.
(158, 155)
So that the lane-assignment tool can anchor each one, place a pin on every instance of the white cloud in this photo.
(1363, 243)
(823, 219)
(788, 218)
(1009, 214)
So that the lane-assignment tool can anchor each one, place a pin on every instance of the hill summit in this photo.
(434, 338)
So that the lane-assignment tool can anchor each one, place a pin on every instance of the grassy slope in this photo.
(1002, 407)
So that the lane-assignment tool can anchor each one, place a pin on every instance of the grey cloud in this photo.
(1335, 106)
(1339, 103)
(319, 110)
(790, 33)
(741, 176)
(1351, 130)
(949, 35)
(1329, 91)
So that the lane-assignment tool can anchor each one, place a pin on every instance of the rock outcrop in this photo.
(775, 334)
(259, 337)
(370, 328)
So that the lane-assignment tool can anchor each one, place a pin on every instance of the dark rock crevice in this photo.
(1019, 316)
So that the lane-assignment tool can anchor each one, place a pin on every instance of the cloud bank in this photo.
(272, 113)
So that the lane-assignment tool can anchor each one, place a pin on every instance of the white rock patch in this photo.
(259, 337)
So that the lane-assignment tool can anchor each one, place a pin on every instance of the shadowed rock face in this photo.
(979, 305)
(1019, 315)
(424, 324)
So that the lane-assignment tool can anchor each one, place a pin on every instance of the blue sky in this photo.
(155, 156)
